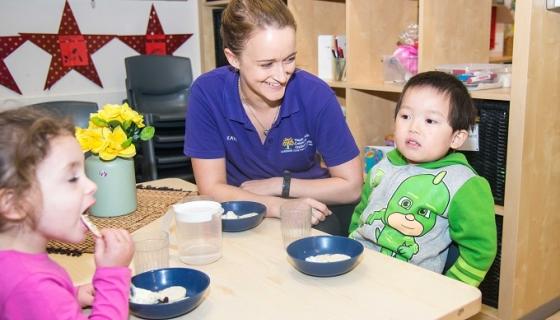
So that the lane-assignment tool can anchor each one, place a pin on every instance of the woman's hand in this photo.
(114, 249)
(264, 187)
(319, 210)
(85, 295)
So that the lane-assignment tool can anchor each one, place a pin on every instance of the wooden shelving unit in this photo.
(458, 32)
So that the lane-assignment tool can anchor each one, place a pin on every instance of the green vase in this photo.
(116, 186)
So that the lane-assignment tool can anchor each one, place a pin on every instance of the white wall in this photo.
(29, 64)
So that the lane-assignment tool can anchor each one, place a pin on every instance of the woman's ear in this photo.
(459, 137)
(231, 58)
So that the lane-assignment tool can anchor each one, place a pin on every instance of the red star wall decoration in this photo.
(70, 49)
(155, 41)
(7, 46)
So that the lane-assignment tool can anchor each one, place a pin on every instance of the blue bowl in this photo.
(312, 246)
(241, 208)
(195, 281)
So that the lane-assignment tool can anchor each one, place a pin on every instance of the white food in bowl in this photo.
(327, 257)
(230, 215)
(167, 295)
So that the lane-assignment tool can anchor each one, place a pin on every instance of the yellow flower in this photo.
(128, 114)
(113, 131)
(91, 139)
(115, 142)
(110, 112)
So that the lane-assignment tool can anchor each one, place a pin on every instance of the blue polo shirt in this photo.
(310, 124)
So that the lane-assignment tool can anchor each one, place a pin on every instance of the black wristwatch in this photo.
(287, 178)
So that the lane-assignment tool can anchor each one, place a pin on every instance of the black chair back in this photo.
(159, 85)
(79, 111)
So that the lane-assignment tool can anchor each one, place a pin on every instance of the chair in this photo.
(452, 256)
(78, 110)
(159, 88)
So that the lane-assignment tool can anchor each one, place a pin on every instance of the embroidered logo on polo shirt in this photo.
(231, 138)
(290, 144)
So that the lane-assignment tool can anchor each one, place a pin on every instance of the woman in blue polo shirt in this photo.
(258, 129)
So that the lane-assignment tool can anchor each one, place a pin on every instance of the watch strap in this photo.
(287, 178)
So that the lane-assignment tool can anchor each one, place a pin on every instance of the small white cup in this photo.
(199, 231)
(295, 220)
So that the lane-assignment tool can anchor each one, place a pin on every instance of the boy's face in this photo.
(66, 191)
(422, 129)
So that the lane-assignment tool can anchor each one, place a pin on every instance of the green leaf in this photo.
(147, 133)
(132, 131)
(99, 122)
(127, 143)
(114, 123)
(127, 124)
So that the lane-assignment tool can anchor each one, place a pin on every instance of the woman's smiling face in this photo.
(267, 63)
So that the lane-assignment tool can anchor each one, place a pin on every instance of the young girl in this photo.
(43, 192)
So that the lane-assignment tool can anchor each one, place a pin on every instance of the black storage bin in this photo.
(490, 160)
(490, 286)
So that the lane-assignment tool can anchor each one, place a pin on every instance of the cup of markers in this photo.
(339, 62)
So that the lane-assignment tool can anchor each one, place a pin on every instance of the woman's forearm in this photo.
(332, 190)
(343, 186)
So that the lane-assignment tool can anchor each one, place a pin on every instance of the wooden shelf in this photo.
(487, 313)
(502, 94)
(502, 59)
(379, 86)
(337, 84)
(499, 210)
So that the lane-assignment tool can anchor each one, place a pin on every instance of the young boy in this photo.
(423, 195)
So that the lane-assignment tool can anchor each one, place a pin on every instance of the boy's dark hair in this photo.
(462, 112)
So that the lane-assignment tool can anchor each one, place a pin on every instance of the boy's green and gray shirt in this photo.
(413, 212)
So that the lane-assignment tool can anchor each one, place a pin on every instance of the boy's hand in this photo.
(85, 295)
(114, 249)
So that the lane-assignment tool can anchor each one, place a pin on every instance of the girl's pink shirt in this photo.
(35, 287)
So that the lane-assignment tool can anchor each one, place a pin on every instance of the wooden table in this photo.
(254, 280)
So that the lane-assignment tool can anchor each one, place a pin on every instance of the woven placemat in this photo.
(152, 204)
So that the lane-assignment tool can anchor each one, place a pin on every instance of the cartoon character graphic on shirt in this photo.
(411, 212)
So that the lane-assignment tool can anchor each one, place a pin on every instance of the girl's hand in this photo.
(114, 249)
(85, 295)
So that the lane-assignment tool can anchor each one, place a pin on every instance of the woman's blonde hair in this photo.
(25, 135)
(242, 17)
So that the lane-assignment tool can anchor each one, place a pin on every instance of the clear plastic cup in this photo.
(199, 231)
(151, 250)
(295, 220)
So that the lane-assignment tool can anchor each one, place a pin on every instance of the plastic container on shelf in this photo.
(394, 71)
(479, 76)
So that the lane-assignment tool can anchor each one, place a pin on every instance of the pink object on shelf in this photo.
(407, 55)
